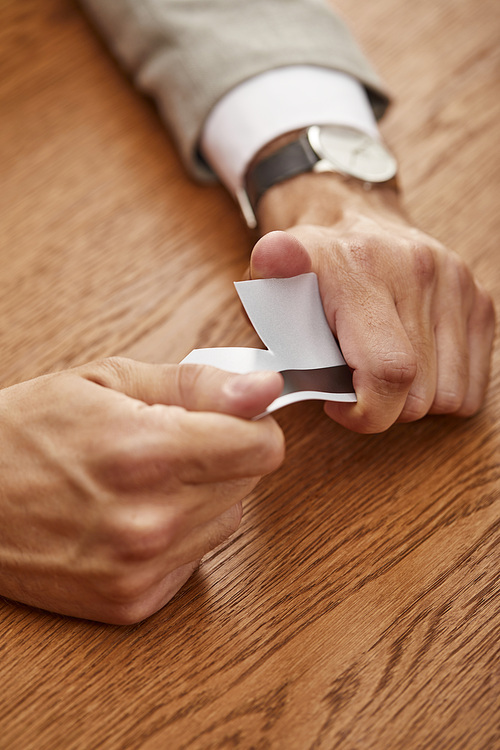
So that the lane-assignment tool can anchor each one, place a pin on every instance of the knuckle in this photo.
(458, 276)
(118, 469)
(130, 612)
(465, 280)
(224, 526)
(424, 264)
(127, 588)
(187, 381)
(485, 307)
(361, 249)
(114, 467)
(356, 259)
(142, 534)
(231, 520)
(105, 371)
(361, 252)
(448, 402)
(470, 406)
(272, 450)
(129, 464)
(396, 370)
(416, 406)
(236, 515)
(124, 593)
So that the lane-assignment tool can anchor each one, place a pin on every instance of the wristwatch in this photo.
(326, 148)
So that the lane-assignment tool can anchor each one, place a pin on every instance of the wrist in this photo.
(325, 199)
(316, 175)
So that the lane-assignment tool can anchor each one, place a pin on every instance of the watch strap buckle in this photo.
(246, 208)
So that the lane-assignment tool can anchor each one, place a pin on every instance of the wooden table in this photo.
(358, 605)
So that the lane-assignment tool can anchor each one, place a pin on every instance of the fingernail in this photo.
(239, 385)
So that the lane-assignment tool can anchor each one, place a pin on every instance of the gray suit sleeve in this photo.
(187, 54)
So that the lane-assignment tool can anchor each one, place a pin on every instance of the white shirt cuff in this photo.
(276, 102)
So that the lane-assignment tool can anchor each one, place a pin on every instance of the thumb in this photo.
(279, 255)
(194, 387)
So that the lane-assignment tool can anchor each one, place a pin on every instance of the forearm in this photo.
(166, 48)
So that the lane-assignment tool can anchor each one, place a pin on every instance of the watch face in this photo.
(353, 153)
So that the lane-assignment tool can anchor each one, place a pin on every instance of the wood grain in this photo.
(358, 605)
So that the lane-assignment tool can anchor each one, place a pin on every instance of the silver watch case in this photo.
(351, 152)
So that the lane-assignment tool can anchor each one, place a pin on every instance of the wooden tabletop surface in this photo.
(358, 605)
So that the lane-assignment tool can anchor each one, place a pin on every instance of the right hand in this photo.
(117, 477)
(412, 322)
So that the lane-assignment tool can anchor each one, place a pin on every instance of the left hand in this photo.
(412, 322)
(117, 477)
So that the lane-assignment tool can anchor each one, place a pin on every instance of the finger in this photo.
(481, 334)
(201, 539)
(417, 318)
(147, 589)
(377, 348)
(143, 530)
(138, 598)
(162, 448)
(454, 302)
(204, 447)
(382, 375)
(148, 527)
(279, 255)
(452, 361)
(194, 387)
(201, 503)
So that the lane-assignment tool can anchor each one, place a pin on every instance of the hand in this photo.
(117, 477)
(413, 324)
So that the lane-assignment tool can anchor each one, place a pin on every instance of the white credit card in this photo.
(289, 318)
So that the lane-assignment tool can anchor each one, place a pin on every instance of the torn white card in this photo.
(289, 318)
